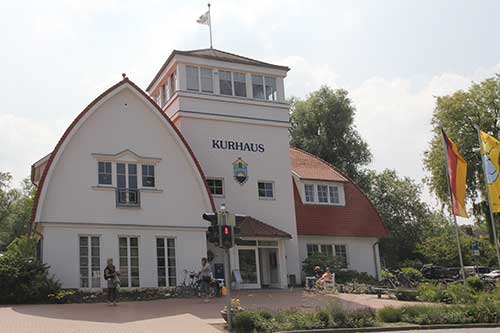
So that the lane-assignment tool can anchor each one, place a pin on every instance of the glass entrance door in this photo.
(249, 268)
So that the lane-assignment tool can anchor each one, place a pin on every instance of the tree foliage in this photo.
(458, 113)
(323, 125)
(403, 212)
(15, 209)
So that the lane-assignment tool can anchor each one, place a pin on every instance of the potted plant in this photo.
(235, 308)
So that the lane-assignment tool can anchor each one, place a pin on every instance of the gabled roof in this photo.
(251, 227)
(215, 54)
(357, 218)
(308, 166)
(88, 109)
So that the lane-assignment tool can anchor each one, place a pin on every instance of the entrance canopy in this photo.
(251, 227)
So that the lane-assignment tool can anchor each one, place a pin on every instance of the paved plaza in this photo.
(186, 315)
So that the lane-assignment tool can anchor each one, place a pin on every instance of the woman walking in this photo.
(111, 276)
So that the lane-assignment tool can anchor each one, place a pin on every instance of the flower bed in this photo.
(66, 296)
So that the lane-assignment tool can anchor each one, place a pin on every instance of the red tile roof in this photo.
(358, 218)
(307, 166)
(251, 227)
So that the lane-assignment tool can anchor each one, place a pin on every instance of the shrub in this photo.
(406, 295)
(486, 312)
(244, 321)
(24, 279)
(475, 283)
(457, 293)
(389, 315)
(322, 260)
(351, 318)
(412, 274)
(348, 276)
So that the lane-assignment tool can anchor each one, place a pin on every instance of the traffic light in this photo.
(213, 235)
(227, 239)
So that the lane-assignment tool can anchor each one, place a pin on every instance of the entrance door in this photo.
(269, 269)
(249, 268)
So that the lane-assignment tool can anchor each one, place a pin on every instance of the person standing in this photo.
(111, 276)
(205, 277)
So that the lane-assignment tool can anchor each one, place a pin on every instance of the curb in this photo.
(395, 328)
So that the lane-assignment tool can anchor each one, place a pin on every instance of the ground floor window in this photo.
(165, 257)
(337, 250)
(129, 261)
(312, 249)
(90, 262)
(341, 254)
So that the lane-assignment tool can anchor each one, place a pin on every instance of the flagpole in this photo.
(445, 147)
(210, 25)
(495, 239)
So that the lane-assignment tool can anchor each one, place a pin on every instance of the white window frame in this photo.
(346, 253)
(196, 70)
(275, 96)
(313, 193)
(112, 181)
(129, 267)
(142, 175)
(329, 202)
(89, 261)
(273, 188)
(321, 194)
(223, 187)
(167, 273)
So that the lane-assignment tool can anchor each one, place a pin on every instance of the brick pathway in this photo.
(174, 315)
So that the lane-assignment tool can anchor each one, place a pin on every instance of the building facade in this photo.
(133, 174)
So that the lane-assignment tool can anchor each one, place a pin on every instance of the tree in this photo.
(323, 125)
(15, 209)
(458, 113)
(403, 212)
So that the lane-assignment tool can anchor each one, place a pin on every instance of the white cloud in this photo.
(392, 115)
(23, 142)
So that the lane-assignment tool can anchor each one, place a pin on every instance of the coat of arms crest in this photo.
(240, 171)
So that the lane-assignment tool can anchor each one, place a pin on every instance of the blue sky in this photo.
(392, 57)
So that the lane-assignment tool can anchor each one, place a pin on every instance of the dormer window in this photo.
(324, 194)
(206, 79)
(264, 87)
(225, 83)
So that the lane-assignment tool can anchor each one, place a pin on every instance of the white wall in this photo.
(71, 195)
(272, 165)
(61, 250)
(359, 250)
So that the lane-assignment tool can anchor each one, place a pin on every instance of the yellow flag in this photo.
(491, 151)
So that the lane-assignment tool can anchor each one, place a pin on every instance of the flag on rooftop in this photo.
(204, 19)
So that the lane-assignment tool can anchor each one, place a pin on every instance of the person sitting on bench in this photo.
(324, 279)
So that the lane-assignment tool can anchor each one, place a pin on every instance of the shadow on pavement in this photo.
(137, 311)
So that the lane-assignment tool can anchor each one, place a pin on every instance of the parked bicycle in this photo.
(190, 285)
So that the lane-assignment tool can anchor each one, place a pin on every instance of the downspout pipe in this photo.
(377, 270)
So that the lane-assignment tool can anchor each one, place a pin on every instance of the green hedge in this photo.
(483, 312)
(334, 316)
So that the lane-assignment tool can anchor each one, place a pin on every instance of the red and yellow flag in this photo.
(457, 170)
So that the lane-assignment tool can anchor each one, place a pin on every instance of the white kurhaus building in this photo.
(133, 174)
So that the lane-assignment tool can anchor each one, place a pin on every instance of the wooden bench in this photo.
(380, 291)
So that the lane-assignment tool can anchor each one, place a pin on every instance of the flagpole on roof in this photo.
(483, 161)
(210, 25)
(445, 147)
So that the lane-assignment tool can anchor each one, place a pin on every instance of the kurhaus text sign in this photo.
(238, 145)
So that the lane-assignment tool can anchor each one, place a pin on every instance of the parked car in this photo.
(434, 272)
(493, 275)
(476, 270)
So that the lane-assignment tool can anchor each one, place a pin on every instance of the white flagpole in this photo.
(488, 194)
(210, 25)
(445, 147)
